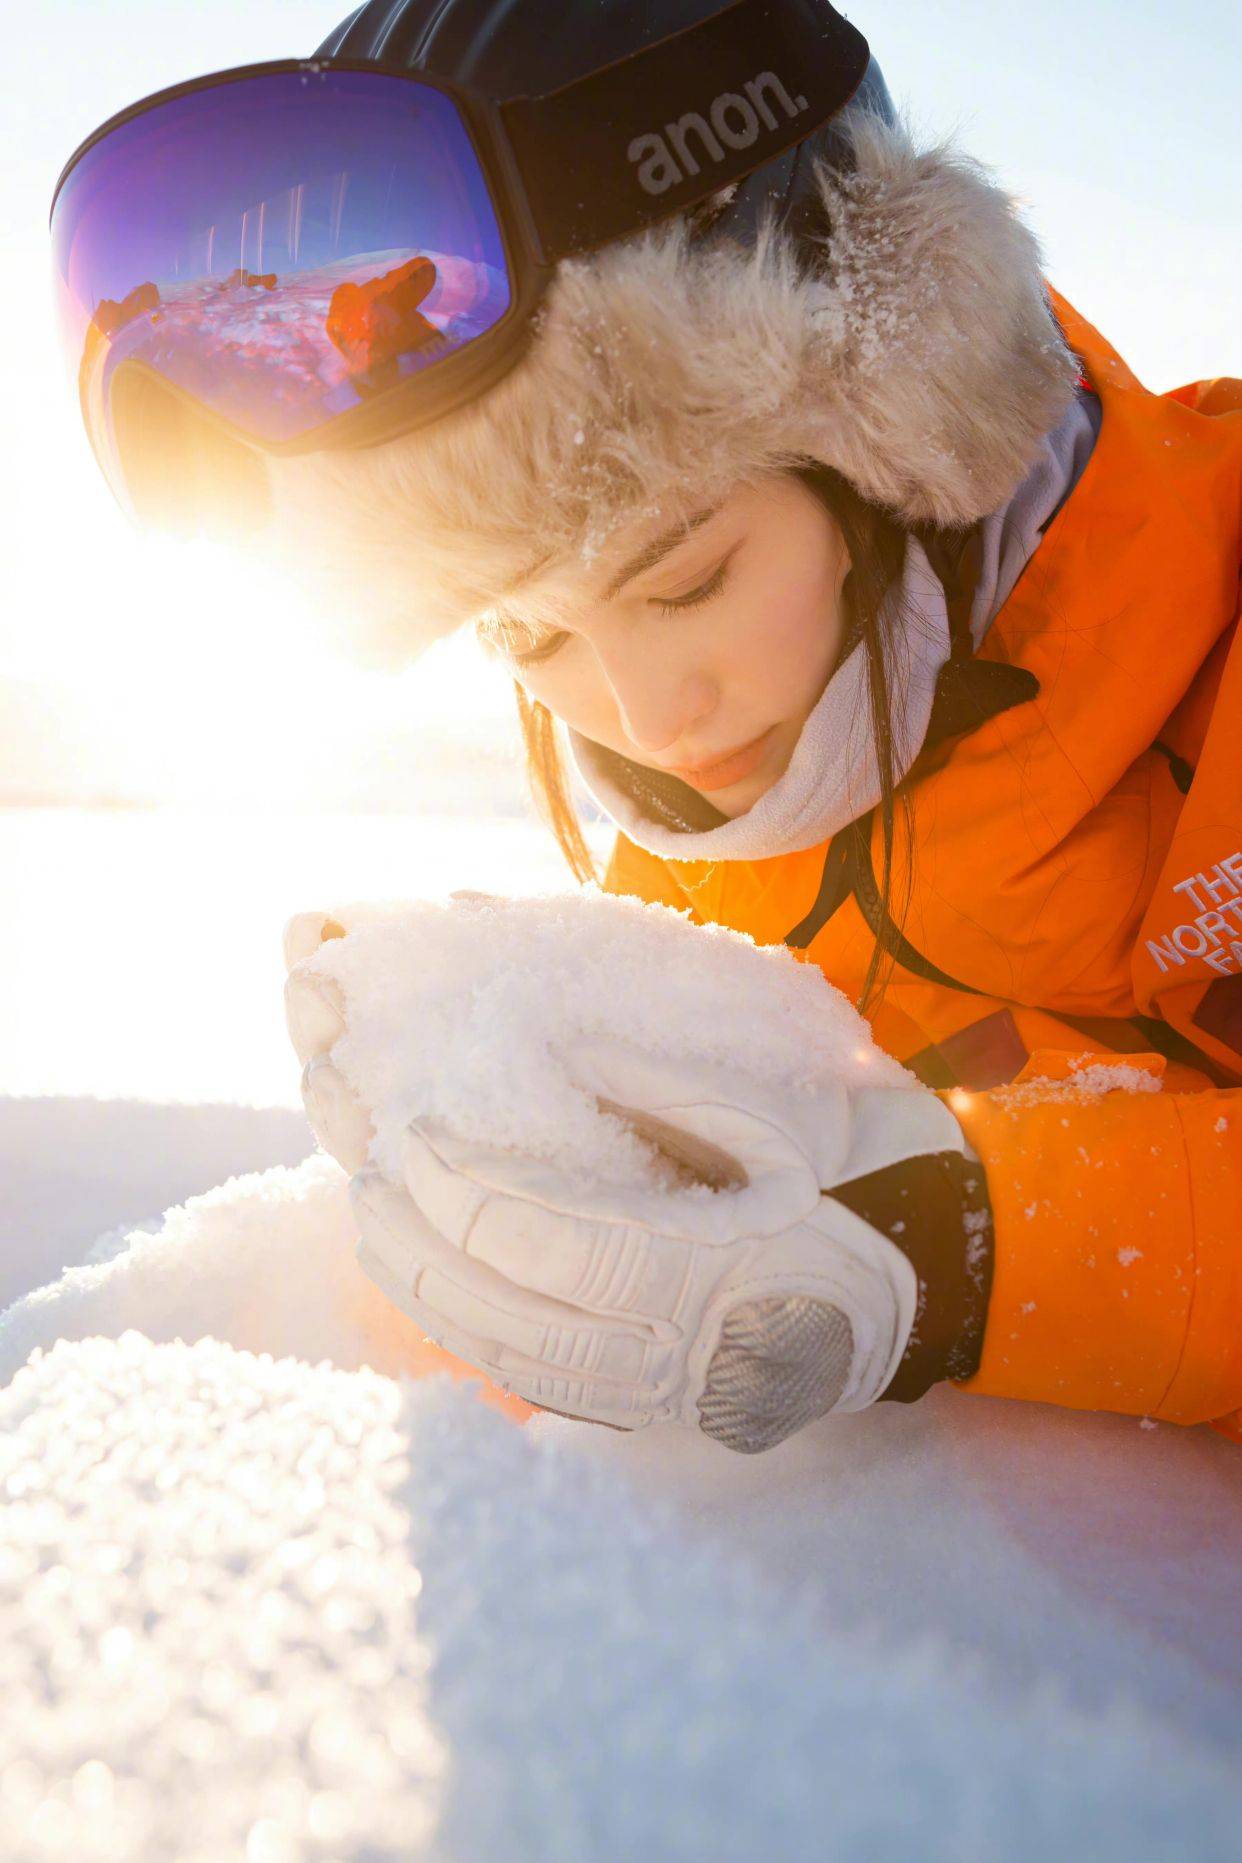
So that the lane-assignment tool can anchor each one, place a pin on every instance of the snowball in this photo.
(469, 1013)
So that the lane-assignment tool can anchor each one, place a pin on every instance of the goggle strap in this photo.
(666, 127)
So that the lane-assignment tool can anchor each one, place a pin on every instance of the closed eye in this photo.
(543, 651)
(501, 631)
(670, 605)
(677, 604)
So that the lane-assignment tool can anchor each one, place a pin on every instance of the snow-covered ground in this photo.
(269, 1606)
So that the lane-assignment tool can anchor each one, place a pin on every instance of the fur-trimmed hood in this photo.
(915, 353)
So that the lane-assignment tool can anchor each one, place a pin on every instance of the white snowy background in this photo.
(270, 1597)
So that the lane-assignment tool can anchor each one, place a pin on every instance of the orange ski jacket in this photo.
(1074, 883)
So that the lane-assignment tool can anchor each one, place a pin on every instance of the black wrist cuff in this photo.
(936, 1210)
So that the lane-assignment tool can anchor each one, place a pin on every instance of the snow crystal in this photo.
(1090, 1080)
(1115, 1077)
(280, 1611)
(1126, 1256)
(208, 1625)
(114, 1242)
(471, 1012)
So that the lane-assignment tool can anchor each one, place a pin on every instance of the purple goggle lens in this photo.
(280, 249)
(314, 255)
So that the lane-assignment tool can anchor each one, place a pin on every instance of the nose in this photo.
(658, 703)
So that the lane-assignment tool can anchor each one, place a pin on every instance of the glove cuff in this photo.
(935, 1209)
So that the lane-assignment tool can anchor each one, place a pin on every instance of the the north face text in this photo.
(733, 120)
(1215, 932)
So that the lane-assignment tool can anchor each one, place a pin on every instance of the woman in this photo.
(891, 619)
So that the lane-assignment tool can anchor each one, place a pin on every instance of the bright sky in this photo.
(178, 675)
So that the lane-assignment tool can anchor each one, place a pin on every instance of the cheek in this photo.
(783, 643)
(573, 687)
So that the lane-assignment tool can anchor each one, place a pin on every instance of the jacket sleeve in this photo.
(632, 870)
(1117, 1278)
(1188, 958)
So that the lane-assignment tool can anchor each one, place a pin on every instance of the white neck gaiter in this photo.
(833, 776)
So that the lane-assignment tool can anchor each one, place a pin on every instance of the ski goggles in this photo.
(306, 255)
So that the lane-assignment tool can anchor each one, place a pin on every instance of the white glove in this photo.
(743, 1312)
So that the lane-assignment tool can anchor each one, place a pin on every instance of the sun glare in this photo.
(185, 670)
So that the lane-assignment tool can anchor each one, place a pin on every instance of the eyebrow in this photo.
(654, 552)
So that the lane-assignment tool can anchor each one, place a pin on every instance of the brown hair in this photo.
(545, 772)
(876, 543)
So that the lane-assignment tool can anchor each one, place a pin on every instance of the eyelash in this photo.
(697, 597)
(704, 593)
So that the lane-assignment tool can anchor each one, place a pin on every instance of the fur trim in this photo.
(919, 359)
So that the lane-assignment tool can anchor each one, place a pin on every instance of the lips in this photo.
(734, 767)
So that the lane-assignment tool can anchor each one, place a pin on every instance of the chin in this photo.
(741, 797)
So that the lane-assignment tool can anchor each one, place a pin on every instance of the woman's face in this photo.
(699, 653)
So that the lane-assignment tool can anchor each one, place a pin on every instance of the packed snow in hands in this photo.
(481, 1014)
